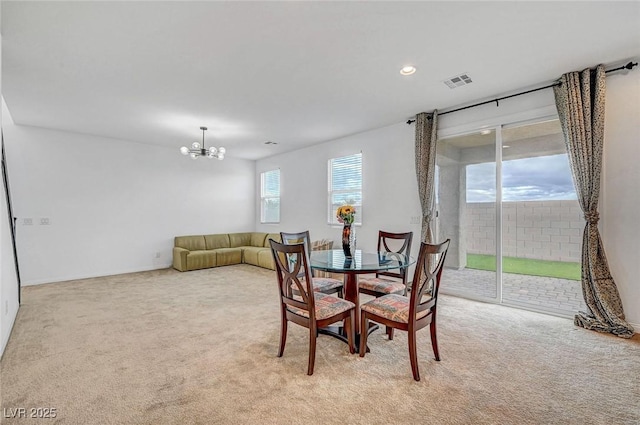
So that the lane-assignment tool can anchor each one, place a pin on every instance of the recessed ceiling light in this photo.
(506, 146)
(484, 132)
(408, 70)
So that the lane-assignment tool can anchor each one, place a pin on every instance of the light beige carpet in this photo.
(166, 347)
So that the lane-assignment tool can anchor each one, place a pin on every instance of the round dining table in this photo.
(335, 261)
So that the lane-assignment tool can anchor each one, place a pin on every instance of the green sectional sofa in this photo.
(205, 251)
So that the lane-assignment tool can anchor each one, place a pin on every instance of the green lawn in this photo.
(526, 266)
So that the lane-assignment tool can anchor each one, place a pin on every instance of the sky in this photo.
(527, 179)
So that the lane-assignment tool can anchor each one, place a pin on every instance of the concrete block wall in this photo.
(545, 230)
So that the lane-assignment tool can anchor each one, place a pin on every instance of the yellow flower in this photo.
(346, 214)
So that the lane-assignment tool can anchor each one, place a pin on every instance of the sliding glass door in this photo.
(506, 199)
(466, 213)
(541, 220)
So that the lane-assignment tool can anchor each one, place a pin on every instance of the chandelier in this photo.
(198, 150)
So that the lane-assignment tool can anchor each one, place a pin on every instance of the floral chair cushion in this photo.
(326, 306)
(322, 284)
(393, 307)
(383, 286)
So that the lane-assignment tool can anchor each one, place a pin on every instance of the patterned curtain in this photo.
(426, 135)
(580, 103)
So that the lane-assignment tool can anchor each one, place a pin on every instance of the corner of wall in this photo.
(8, 278)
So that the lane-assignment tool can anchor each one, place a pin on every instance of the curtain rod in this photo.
(630, 65)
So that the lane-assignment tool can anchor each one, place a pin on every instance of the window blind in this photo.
(270, 196)
(345, 185)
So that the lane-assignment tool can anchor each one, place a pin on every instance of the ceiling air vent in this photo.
(458, 80)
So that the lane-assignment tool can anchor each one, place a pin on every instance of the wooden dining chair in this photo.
(326, 285)
(305, 306)
(389, 281)
(414, 312)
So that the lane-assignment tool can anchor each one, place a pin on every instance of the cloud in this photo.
(481, 182)
(527, 179)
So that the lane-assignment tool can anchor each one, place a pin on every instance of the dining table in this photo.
(363, 262)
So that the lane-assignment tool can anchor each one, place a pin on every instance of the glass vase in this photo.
(349, 241)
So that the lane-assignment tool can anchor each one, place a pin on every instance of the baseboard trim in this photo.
(92, 275)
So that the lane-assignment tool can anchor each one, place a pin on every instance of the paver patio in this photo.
(561, 295)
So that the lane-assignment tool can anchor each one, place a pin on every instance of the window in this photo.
(345, 185)
(270, 197)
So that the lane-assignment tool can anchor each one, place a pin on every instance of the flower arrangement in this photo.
(346, 214)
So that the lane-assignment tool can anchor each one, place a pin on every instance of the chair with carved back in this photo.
(326, 285)
(381, 284)
(389, 281)
(414, 312)
(305, 306)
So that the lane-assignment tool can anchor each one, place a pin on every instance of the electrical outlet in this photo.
(415, 219)
(27, 221)
(158, 255)
(44, 221)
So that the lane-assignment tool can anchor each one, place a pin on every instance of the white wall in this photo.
(389, 186)
(390, 189)
(113, 205)
(620, 200)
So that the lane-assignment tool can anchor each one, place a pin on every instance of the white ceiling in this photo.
(296, 73)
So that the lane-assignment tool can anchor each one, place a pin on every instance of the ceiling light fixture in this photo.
(198, 150)
(408, 70)
(485, 132)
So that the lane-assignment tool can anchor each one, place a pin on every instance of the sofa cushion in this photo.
(239, 239)
(201, 260)
(275, 236)
(257, 239)
(265, 259)
(250, 254)
(217, 241)
(228, 256)
(192, 243)
(180, 258)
